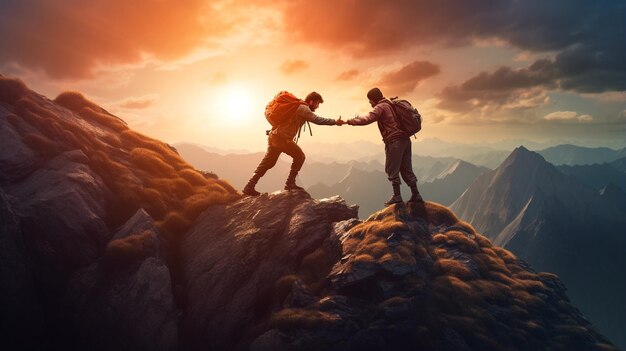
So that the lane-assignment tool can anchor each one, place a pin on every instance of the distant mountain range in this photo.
(238, 168)
(619, 164)
(596, 176)
(442, 182)
(578, 155)
(558, 224)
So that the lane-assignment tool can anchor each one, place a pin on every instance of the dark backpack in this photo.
(408, 118)
(282, 108)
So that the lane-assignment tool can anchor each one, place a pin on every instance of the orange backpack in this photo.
(282, 108)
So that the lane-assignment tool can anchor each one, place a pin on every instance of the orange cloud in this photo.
(139, 102)
(68, 39)
(293, 66)
(407, 78)
(348, 75)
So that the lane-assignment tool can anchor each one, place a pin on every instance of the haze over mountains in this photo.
(556, 223)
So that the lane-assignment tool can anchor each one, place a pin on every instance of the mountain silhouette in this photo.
(556, 224)
(571, 155)
(440, 180)
(109, 240)
(619, 164)
(596, 176)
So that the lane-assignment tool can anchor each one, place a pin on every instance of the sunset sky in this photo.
(202, 71)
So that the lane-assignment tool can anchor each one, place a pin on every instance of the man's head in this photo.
(374, 95)
(314, 100)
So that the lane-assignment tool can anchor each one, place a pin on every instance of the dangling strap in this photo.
(300, 130)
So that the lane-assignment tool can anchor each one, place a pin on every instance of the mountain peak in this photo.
(522, 154)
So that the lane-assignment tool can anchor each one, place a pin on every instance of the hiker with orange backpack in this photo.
(397, 121)
(287, 114)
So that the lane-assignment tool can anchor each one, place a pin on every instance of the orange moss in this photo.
(527, 299)
(452, 288)
(226, 185)
(112, 140)
(130, 246)
(153, 202)
(297, 318)
(506, 255)
(364, 258)
(174, 223)
(75, 101)
(104, 119)
(465, 244)
(440, 238)
(43, 146)
(467, 227)
(11, 89)
(377, 249)
(491, 290)
(503, 278)
(193, 177)
(548, 276)
(483, 241)
(440, 215)
(283, 286)
(150, 162)
(526, 275)
(440, 252)
(454, 268)
(315, 266)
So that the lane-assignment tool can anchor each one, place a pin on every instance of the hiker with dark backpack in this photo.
(287, 114)
(397, 121)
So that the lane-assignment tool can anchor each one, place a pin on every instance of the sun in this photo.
(235, 104)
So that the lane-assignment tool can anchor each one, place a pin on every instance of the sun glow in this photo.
(235, 104)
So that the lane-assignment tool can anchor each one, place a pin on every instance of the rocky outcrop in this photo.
(238, 260)
(124, 301)
(70, 175)
(418, 278)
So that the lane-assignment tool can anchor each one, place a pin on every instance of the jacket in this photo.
(289, 129)
(387, 123)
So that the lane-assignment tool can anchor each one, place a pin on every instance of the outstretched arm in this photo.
(364, 120)
(308, 115)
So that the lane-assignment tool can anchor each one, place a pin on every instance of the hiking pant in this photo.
(398, 162)
(277, 145)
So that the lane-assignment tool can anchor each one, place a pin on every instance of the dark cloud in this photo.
(587, 36)
(406, 78)
(348, 75)
(68, 39)
(293, 66)
(572, 70)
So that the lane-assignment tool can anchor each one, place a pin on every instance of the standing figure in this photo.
(397, 145)
(281, 139)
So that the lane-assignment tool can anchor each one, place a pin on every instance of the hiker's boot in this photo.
(396, 197)
(415, 194)
(249, 188)
(291, 181)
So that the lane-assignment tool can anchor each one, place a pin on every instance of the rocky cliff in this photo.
(109, 240)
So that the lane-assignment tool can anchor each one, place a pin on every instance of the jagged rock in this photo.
(124, 301)
(461, 293)
(21, 309)
(62, 208)
(16, 159)
(235, 255)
